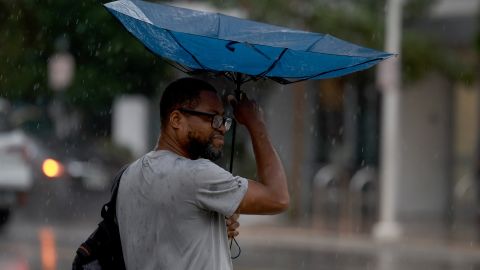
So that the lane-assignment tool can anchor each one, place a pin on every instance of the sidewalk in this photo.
(263, 232)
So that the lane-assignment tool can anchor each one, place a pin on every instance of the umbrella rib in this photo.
(285, 81)
(227, 75)
(178, 66)
(273, 64)
(185, 49)
(247, 79)
(257, 49)
(280, 80)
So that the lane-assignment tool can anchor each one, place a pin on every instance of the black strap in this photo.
(108, 209)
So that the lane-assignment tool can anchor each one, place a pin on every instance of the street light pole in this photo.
(389, 81)
(61, 67)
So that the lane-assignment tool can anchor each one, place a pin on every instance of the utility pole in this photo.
(61, 70)
(389, 82)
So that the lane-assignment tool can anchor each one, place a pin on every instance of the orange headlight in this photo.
(52, 168)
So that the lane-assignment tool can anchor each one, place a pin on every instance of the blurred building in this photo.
(328, 134)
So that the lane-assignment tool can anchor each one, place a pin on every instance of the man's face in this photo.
(204, 141)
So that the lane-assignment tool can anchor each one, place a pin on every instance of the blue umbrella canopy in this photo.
(202, 41)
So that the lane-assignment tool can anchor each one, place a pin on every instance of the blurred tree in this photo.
(109, 61)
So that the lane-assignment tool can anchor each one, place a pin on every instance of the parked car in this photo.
(31, 158)
(16, 175)
(86, 161)
(89, 164)
(22, 162)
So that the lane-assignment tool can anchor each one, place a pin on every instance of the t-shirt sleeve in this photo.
(217, 189)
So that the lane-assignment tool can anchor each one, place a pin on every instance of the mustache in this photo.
(217, 134)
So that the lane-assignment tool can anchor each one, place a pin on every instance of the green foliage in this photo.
(425, 55)
(108, 59)
(355, 21)
(415, 10)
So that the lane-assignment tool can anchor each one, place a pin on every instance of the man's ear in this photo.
(176, 119)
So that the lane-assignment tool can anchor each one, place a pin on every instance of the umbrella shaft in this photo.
(234, 128)
(232, 152)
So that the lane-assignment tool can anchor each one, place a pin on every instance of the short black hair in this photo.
(184, 92)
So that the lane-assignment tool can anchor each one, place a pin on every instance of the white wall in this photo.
(426, 147)
(130, 123)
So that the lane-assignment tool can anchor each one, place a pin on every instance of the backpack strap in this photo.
(108, 209)
(104, 242)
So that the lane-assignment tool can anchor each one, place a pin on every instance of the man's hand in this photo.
(246, 111)
(232, 226)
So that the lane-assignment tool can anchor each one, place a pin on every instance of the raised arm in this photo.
(268, 195)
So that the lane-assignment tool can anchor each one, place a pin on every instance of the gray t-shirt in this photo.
(171, 213)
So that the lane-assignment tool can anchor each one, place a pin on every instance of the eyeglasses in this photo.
(217, 120)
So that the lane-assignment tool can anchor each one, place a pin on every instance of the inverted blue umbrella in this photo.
(240, 49)
(202, 41)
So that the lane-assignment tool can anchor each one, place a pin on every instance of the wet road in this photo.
(46, 232)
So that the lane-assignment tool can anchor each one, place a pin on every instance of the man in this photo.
(173, 201)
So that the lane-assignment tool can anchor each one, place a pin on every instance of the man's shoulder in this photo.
(202, 164)
(162, 158)
(165, 162)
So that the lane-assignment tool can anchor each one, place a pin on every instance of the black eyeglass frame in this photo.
(226, 121)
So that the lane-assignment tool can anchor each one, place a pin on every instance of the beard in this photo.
(198, 148)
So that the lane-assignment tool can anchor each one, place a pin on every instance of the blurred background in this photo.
(383, 165)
